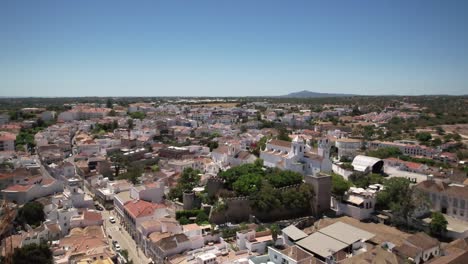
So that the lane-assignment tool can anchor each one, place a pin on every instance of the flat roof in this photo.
(321, 244)
(294, 233)
(346, 233)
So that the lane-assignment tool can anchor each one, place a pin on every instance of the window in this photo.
(454, 211)
(455, 202)
(462, 212)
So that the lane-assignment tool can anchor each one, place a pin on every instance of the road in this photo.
(123, 238)
(118, 233)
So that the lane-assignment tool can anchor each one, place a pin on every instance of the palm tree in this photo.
(274, 228)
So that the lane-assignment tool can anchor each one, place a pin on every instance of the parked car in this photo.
(111, 219)
(117, 247)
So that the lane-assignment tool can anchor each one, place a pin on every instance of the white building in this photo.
(290, 255)
(358, 203)
(48, 115)
(7, 141)
(348, 147)
(297, 156)
(253, 241)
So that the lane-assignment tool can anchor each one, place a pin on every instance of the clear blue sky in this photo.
(232, 48)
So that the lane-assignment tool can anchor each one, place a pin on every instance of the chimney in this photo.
(430, 177)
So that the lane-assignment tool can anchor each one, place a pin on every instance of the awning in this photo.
(355, 200)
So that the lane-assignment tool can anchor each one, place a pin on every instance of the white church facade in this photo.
(297, 156)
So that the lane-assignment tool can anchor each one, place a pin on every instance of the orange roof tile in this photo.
(18, 188)
(142, 208)
(92, 216)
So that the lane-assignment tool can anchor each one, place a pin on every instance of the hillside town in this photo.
(236, 181)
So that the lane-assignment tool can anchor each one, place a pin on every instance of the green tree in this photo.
(438, 225)
(436, 142)
(31, 213)
(283, 134)
(247, 184)
(33, 253)
(383, 153)
(363, 180)
(297, 199)
(339, 185)
(423, 136)
(440, 131)
(212, 145)
(266, 198)
(189, 179)
(184, 220)
(132, 174)
(368, 132)
(109, 103)
(258, 163)
(259, 146)
(401, 199)
(130, 123)
(274, 228)
(281, 178)
(202, 217)
(137, 115)
(231, 175)
(119, 161)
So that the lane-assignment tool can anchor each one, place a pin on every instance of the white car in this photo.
(112, 219)
(117, 247)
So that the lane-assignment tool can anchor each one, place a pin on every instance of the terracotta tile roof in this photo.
(440, 187)
(92, 216)
(243, 155)
(413, 165)
(47, 181)
(7, 175)
(452, 256)
(157, 236)
(140, 208)
(432, 186)
(313, 156)
(280, 143)
(6, 136)
(296, 253)
(221, 150)
(191, 227)
(19, 188)
(407, 251)
(171, 242)
(423, 241)
(54, 228)
(458, 191)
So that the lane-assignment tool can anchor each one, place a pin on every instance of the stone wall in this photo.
(239, 209)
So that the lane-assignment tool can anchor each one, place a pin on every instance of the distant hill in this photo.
(309, 94)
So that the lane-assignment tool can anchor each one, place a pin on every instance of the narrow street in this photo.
(119, 234)
(123, 238)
